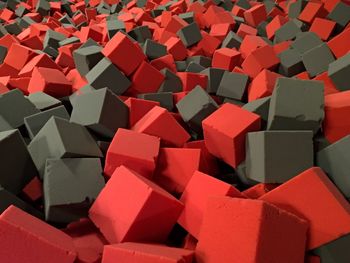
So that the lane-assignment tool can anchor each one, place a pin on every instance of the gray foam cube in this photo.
(61, 139)
(296, 105)
(43, 101)
(114, 26)
(35, 122)
(316, 60)
(194, 67)
(52, 39)
(278, 156)
(101, 111)
(190, 34)
(106, 75)
(201, 60)
(164, 98)
(335, 161)
(171, 83)
(295, 8)
(306, 41)
(340, 14)
(233, 85)
(3, 53)
(336, 251)
(214, 78)
(339, 72)
(195, 107)
(290, 63)
(154, 49)
(86, 58)
(17, 166)
(141, 34)
(42, 7)
(232, 40)
(69, 41)
(287, 32)
(80, 179)
(14, 107)
(260, 107)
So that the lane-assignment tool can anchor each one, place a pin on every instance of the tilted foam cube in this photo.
(248, 231)
(322, 205)
(132, 149)
(227, 141)
(132, 208)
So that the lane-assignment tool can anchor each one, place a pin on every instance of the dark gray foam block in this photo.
(339, 72)
(171, 83)
(17, 166)
(190, 34)
(35, 122)
(164, 98)
(277, 156)
(296, 105)
(105, 75)
(232, 85)
(195, 107)
(335, 161)
(86, 58)
(43, 101)
(101, 111)
(336, 251)
(80, 179)
(214, 78)
(61, 139)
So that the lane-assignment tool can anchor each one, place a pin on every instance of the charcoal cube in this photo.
(316, 60)
(141, 34)
(14, 107)
(171, 83)
(232, 40)
(195, 107)
(233, 85)
(43, 101)
(69, 41)
(61, 139)
(82, 90)
(80, 179)
(194, 67)
(114, 26)
(106, 75)
(290, 63)
(154, 49)
(305, 42)
(335, 161)
(164, 98)
(296, 105)
(201, 60)
(260, 107)
(287, 32)
(295, 8)
(13, 28)
(214, 78)
(86, 58)
(35, 122)
(190, 34)
(42, 7)
(17, 166)
(278, 156)
(3, 53)
(181, 66)
(188, 17)
(52, 39)
(101, 111)
(339, 72)
(240, 172)
(336, 251)
(340, 14)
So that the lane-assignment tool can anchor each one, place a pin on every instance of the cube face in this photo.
(319, 205)
(104, 73)
(119, 49)
(233, 85)
(195, 107)
(224, 214)
(335, 251)
(195, 196)
(227, 141)
(277, 156)
(16, 163)
(86, 58)
(148, 204)
(190, 34)
(283, 112)
(61, 139)
(334, 161)
(338, 72)
(93, 111)
(82, 181)
(134, 150)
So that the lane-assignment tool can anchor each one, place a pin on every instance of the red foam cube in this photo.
(258, 190)
(226, 58)
(50, 81)
(191, 80)
(175, 168)
(225, 140)
(25, 238)
(138, 108)
(146, 253)
(311, 195)
(176, 48)
(255, 15)
(123, 53)
(132, 149)
(130, 208)
(323, 27)
(159, 122)
(200, 187)
(244, 230)
(262, 85)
